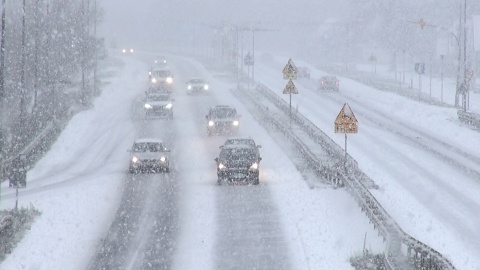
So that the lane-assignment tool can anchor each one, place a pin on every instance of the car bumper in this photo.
(147, 166)
(158, 112)
(238, 175)
(222, 129)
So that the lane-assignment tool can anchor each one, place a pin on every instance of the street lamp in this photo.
(460, 86)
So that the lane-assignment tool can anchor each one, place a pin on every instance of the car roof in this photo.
(147, 140)
(237, 146)
(240, 139)
(222, 107)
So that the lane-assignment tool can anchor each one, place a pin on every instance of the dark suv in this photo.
(238, 162)
(222, 119)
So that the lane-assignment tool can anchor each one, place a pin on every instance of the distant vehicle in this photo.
(222, 119)
(238, 162)
(158, 104)
(328, 83)
(161, 77)
(160, 60)
(303, 72)
(127, 51)
(196, 86)
(149, 155)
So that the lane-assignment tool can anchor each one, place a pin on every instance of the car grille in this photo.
(223, 124)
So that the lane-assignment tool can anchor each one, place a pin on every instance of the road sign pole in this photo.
(16, 199)
(345, 150)
(290, 106)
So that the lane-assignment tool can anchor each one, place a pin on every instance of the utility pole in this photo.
(23, 92)
(2, 54)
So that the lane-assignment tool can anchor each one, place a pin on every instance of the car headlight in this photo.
(148, 106)
(189, 87)
(221, 166)
(211, 123)
(131, 50)
(124, 51)
(154, 80)
(149, 73)
(205, 87)
(169, 106)
(254, 166)
(163, 159)
(169, 80)
(235, 123)
(135, 160)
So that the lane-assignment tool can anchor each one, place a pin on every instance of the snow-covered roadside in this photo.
(436, 209)
(78, 184)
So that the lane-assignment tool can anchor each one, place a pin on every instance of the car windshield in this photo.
(161, 73)
(223, 113)
(196, 81)
(240, 141)
(237, 154)
(329, 79)
(148, 147)
(158, 97)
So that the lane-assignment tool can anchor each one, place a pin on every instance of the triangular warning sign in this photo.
(346, 122)
(290, 70)
(290, 88)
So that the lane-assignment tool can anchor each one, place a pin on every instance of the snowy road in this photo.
(185, 221)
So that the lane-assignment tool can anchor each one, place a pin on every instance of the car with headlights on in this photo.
(127, 50)
(149, 155)
(328, 83)
(197, 86)
(160, 61)
(238, 162)
(161, 77)
(158, 105)
(222, 119)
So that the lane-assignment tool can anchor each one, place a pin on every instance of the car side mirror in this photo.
(259, 159)
(167, 150)
(206, 116)
(216, 159)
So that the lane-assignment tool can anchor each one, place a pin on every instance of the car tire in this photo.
(167, 169)
(256, 181)
(219, 181)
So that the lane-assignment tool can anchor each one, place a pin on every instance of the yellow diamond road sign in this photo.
(290, 70)
(346, 122)
(290, 88)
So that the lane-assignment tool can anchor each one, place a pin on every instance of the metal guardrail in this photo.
(471, 119)
(28, 149)
(386, 225)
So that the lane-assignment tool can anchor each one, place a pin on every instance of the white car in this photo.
(161, 77)
(149, 155)
(197, 85)
(158, 104)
